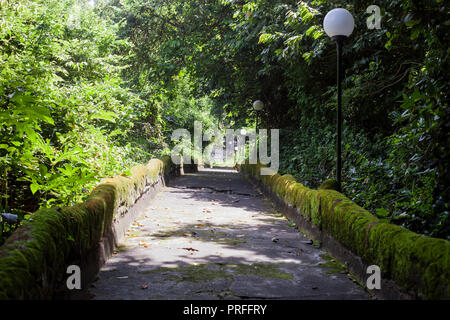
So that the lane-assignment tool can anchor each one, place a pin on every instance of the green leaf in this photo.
(310, 30)
(43, 170)
(34, 187)
(265, 37)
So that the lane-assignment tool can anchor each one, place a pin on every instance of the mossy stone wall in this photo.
(418, 264)
(33, 261)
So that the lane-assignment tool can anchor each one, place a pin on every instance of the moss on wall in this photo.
(34, 259)
(418, 263)
(283, 184)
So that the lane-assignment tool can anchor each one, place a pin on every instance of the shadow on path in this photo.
(213, 235)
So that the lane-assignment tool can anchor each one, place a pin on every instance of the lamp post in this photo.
(338, 25)
(258, 105)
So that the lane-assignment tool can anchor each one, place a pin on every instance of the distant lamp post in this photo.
(258, 105)
(338, 25)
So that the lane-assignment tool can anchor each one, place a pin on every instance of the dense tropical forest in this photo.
(90, 88)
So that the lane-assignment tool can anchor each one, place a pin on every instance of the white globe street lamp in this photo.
(258, 105)
(339, 24)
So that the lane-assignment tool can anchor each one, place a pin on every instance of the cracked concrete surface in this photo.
(213, 235)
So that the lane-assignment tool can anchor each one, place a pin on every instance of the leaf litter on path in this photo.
(143, 244)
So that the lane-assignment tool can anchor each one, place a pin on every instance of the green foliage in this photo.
(105, 86)
(73, 107)
(395, 91)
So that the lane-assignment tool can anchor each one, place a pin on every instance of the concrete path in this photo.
(213, 235)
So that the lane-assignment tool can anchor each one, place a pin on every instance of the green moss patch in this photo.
(332, 265)
(207, 235)
(208, 272)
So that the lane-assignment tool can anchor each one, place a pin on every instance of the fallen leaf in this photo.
(144, 286)
(189, 249)
(143, 244)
